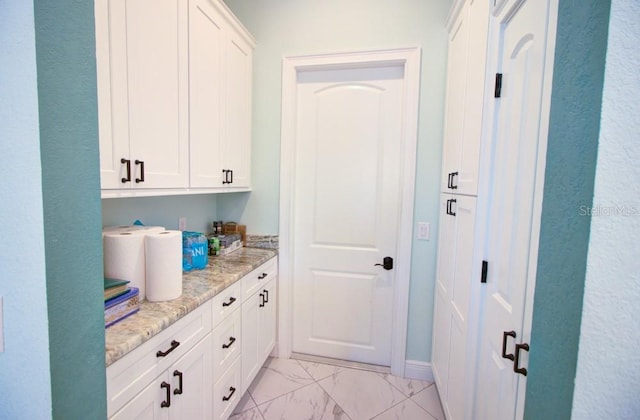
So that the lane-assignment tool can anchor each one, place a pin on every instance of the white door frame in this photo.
(409, 58)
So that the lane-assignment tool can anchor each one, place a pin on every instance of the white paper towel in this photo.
(163, 265)
(124, 258)
(130, 228)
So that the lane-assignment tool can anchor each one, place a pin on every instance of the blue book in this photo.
(122, 306)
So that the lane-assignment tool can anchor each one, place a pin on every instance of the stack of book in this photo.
(120, 301)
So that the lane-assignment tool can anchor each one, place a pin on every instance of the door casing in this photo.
(409, 58)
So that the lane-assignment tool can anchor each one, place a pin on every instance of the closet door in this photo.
(453, 285)
(519, 33)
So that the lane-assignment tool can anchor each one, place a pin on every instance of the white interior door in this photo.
(346, 211)
(511, 248)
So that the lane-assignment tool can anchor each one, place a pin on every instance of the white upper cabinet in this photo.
(142, 94)
(220, 64)
(174, 97)
(468, 27)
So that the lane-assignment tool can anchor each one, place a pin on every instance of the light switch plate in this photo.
(1, 327)
(423, 230)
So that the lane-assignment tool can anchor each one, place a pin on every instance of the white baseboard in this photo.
(414, 369)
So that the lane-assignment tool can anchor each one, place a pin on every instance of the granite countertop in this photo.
(198, 287)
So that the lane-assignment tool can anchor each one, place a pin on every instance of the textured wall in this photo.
(65, 51)
(564, 232)
(25, 383)
(298, 27)
(608, 372)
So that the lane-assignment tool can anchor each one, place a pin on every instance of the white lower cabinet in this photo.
(200, 367)
(258, 330)
(183, 391)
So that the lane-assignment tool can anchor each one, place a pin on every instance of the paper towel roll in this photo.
(163, 265)
(130, 228)
(124, 258)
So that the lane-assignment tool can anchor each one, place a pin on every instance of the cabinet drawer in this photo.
(226, 302)
(255, 280)
(132, 373)
(227, 392)
(227, 343)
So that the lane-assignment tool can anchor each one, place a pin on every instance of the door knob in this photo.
(387, 263)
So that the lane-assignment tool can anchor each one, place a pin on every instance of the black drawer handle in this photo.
(263, 275)
(262, 300)
(231, 341)
(178, 390)
(167, 401)
(128, 163)
(504, 344)
(516, 369)
(174, 345)
(231, 300)
(228, 397)
(266, 296)
(231, 171)
(141, 163)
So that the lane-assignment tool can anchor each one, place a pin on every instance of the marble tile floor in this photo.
(289, 389)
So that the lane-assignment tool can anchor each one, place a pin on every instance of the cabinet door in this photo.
(250, 347)
(237, 152)
(192, 383)
(145, 102)
(267, 328)
(465, 98)
(147, 405)
(453, 286)
(206, 90)
(458, 48)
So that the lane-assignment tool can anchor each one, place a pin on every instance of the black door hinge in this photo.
(498, 88)
(483, 276)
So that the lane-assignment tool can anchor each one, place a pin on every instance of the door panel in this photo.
(346, 211)
(521, 33)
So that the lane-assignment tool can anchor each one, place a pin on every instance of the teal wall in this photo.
(301, 27)
(569, 181)
(25, 380)
(65, 51)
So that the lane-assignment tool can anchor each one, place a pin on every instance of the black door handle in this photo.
(228, 397)
(516, 369)
(504, 344)
(387, 263)
(231, 341)
(453, 187)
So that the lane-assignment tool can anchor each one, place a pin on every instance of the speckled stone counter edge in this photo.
(197, 287)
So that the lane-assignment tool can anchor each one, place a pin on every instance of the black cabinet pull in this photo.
(266, 295)
(450, 203)
(141, 163)
(261, 276)
(453, 187)
(224, 176)
(231, 300)
(226, 173)
(174, 345)
(228, 397)
(516, 369)
(449, 180)
(178, 390)
(504, 344)
(128, 163)
(167, 401)
(262, 303)
(231, 341)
